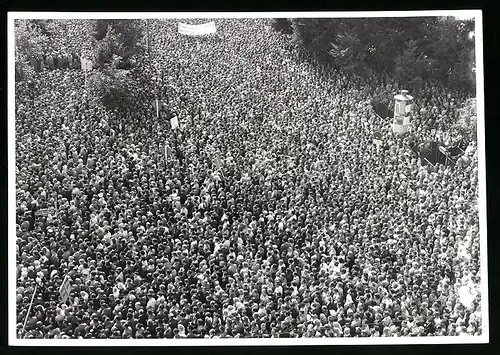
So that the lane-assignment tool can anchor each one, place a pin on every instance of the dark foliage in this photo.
(122, 38)
(411, 49)
(113, 87)
(283, 25)
(41, 26)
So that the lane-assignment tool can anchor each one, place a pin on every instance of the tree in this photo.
(28, 39)
(107, 47)
(348, 52)
(411, 66)
(282, 25)
(361, 45)
(113, 87)
(29, 43)
(42, 26)
(100, 29)
(462, 72)
(387, 38)
(452, 51)
(315, 34)
(411, 49)
(122, 38)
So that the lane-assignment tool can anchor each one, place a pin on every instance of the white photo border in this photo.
(12, 336)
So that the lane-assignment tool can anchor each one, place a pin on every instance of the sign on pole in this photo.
(157, 105)
(174, 122)
(65, 289)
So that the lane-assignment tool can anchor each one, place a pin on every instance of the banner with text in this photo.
(197, 30)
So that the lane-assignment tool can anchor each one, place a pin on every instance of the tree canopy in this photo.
(410, 49)
(121, 38)
(113, 87)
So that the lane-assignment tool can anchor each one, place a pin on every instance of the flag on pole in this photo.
(168, 152)
(65, 289)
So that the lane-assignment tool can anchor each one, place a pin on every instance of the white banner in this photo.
(197, 30)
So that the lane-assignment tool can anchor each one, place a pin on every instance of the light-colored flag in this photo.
(65, 289)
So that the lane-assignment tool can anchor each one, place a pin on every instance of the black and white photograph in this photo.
(246, 178)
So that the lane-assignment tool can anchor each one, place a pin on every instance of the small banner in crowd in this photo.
(45, 212)
(65, 289)
(174, 122)
(197, 30)
(86, 64)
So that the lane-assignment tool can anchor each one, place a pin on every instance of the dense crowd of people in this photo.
(269, 212)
